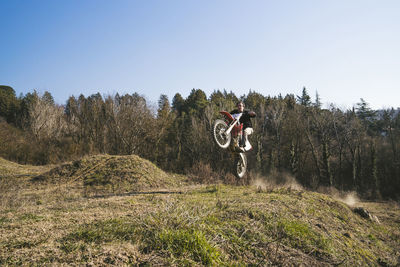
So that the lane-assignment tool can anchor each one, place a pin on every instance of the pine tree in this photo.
(9, 104)
(317, 103)
(164, 107)
(304, 99)
(178, 103)
(367, 116)
(196, 102)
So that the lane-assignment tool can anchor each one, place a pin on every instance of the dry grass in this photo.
(8, 168)
(59, 224)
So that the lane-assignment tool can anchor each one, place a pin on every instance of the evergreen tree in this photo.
(196, 102)
(364, 112)
(178, 103)
(290, 101)
(231, 98)
(48, 98)
(366, 115)
(254, 101)
(217, 98)
(304, 99)
(317, 103)
(164, 107)
(9, 104)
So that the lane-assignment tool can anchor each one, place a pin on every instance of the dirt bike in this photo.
(228, 133)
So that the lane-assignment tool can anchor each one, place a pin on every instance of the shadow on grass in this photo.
(134, 194)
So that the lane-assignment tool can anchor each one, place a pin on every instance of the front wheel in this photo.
(240, 165)
(221, 138)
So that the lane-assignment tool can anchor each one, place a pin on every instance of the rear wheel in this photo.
(223, 140)
(240, 165)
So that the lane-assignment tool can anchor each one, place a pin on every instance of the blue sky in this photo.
(344, 49)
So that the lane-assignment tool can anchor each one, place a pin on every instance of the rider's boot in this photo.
(240, 149)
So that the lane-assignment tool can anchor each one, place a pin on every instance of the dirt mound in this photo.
(115, 173)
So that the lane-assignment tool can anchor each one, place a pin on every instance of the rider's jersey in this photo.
(245, 119)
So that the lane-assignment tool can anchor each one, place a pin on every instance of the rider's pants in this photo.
(248, 131)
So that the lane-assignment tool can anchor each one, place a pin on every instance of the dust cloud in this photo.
(285, 180)
(275, 180)
(351, 199)
(348, 197)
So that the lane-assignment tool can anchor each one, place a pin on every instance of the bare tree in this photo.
(45, 119)
(130, 125)
(273, 121)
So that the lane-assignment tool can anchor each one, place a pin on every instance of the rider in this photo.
(247, 126)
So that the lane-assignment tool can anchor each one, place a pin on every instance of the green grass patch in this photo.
(31, 217)
(98, 232)
(18, 244)
(4, 220)
(11, 261)
(300, 235)
(187, 243)
(185, 246)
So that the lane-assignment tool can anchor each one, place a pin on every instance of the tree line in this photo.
(354, 149)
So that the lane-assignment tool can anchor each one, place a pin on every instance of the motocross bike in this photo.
(228, 133)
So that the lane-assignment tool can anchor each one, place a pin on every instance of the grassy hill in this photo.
(123, 210)
(111, 174)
